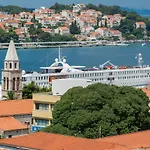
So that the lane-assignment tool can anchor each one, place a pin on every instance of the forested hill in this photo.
(11, 9)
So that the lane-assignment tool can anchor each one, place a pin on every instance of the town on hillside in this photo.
(76, 22)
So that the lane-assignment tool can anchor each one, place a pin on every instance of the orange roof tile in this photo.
(47, 141)
(146, 91)
(140, 23)
(2, 26)
(131, 140)
(10, 123)
(29, 23)
(16, 107)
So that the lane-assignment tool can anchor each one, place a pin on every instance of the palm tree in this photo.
(10, 96)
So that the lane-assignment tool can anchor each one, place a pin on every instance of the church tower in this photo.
(11, 74)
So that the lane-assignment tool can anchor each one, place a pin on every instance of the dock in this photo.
(32, 45)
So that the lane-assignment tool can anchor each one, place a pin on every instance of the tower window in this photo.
(4, 83)
(18, 83)
(7, 84)
(6, 65)
(10, 65)
(15, 65)
(14, 83)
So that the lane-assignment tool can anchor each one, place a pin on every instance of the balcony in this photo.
(45, 114)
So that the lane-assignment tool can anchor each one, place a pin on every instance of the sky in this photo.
(140, 4)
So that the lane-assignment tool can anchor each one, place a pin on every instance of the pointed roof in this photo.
(11, 53)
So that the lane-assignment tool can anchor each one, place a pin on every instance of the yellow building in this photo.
(42, 111)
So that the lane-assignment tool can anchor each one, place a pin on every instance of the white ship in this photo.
(106, 73)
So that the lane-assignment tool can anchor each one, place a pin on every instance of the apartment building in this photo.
(42, 110)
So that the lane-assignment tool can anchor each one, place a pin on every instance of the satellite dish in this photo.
(64, 60)
(56, 60)
(23, 72)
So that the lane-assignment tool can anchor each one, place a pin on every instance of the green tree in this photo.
(59, 7)
(11, 9)
(10, 96)
(100, 110)
(74, 29)
(31, 88)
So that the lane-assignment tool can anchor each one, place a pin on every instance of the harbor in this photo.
(33, 45)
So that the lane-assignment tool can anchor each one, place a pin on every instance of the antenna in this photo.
(140, 59)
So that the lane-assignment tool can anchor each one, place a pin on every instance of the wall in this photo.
(16, 133)
(61, 86)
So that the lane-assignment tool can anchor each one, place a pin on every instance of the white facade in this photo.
(61, 86)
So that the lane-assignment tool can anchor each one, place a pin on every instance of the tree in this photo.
(31, 88)
(74, 29)
(10, 96)
(105, 23)
(100, 110)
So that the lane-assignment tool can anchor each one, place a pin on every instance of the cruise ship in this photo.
(107, 73)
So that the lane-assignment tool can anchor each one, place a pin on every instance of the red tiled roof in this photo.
(131, 140)
(47, 141)
(10, 123)
(2, 26)
(146, 91)
(140, 23)
(16, 107)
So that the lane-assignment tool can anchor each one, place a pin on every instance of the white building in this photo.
(61, 86)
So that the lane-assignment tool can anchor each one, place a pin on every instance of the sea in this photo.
(33, 59)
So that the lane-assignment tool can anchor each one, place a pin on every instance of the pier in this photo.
(26, 45)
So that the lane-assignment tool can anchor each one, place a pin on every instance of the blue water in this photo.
(33, 59)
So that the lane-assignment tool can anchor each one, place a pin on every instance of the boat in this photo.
(107, 73)
(143, 44)
(121, 44)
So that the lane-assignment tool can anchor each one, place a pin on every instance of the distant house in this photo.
(95, 35)
(62, 31)
(78, 7)
(103, 31)
(116, 33)
(140, 25)
(13, 23)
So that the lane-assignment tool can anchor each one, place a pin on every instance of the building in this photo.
(12, 74)
(11, 127)
(47, 141)
(140, 25)
(62, 31)
(78, 7)
(61, 86)
(42, 111)
(15, 117)
(19, 109)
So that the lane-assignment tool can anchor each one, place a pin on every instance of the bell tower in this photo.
(11, 74)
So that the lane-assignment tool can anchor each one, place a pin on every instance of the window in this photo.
(10, 65)
(52, 107)
(41, 106)
(15, 65)
(18, 83)
(14, 83)
(42, 122)
(6, 65)
(7, 84)
(4, 80)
